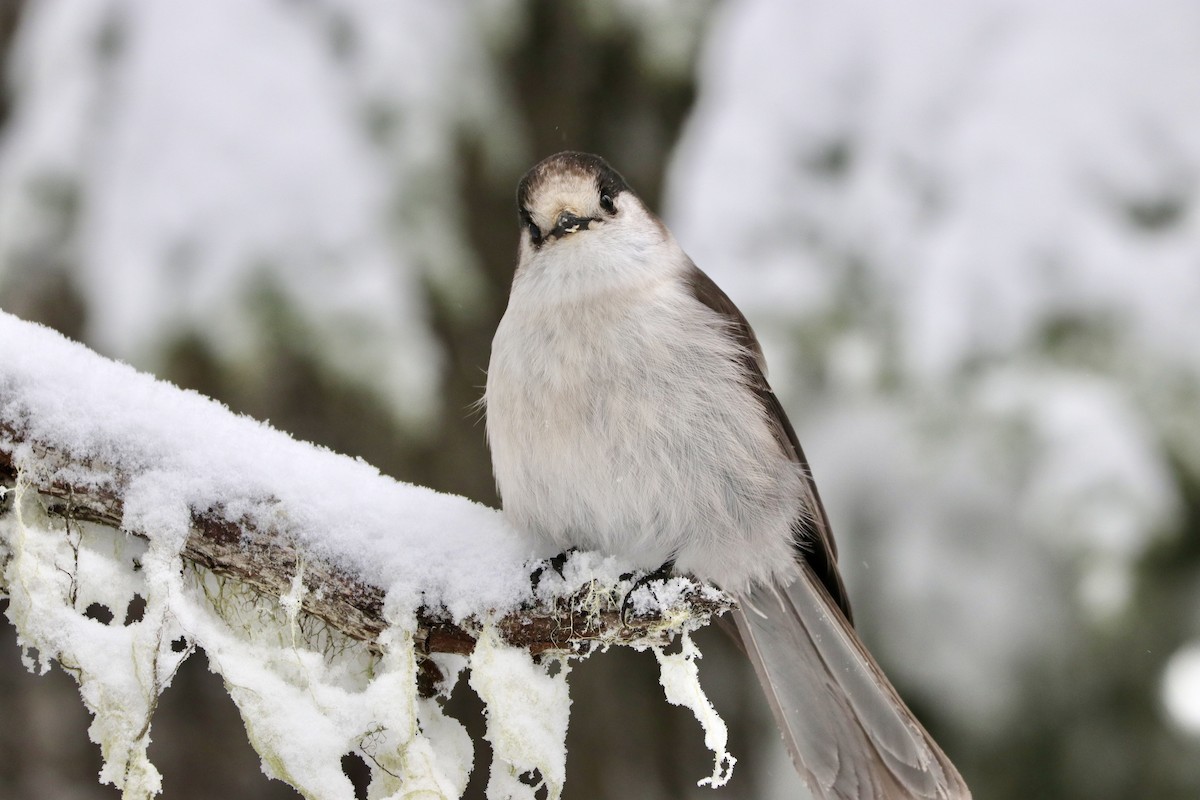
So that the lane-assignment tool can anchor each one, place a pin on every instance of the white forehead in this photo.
(564, 190)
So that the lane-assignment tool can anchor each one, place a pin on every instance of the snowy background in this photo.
(968, 234)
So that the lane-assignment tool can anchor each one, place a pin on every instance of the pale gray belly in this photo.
(636, 435)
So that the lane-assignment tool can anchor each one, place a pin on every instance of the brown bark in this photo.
(268, 560)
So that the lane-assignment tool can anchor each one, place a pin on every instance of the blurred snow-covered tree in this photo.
(227, 175)
(970, 236)
(967, 234)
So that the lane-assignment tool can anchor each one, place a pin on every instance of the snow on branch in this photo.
(139, 521)
(268, 561)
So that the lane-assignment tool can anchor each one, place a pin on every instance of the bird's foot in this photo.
(555, 563)
(659, 575)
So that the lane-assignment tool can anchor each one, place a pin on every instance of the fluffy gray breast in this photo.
(628, 426)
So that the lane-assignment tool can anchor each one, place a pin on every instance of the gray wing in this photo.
(850, 735)
(812, 535)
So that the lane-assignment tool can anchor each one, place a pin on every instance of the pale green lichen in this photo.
(307, 693)
(121, 669)
(527, 713)
(680, 679)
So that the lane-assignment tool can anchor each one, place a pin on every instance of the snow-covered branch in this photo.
(139, 522)
(268, 560)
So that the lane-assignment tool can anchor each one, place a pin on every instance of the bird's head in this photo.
(566, 194)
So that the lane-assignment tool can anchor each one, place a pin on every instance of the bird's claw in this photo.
(554, 562)
(659, 575)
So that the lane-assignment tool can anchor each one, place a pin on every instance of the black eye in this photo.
(534, 231)
(606, 202)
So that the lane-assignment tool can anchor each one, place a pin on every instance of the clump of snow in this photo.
(308, 694)
(187, 452)
(680, 678)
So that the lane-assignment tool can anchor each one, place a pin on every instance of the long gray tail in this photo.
(849, 733)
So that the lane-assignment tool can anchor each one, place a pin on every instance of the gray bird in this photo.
(628, 412)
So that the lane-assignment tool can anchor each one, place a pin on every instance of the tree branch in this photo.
(268, 560)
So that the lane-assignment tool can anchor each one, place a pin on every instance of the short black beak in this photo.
(569, 223)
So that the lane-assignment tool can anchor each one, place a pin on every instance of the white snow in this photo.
(308, 694)
(193, 453)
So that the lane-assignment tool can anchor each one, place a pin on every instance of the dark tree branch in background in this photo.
(268, 560)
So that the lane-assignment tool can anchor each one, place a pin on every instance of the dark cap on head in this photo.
(608, 180)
